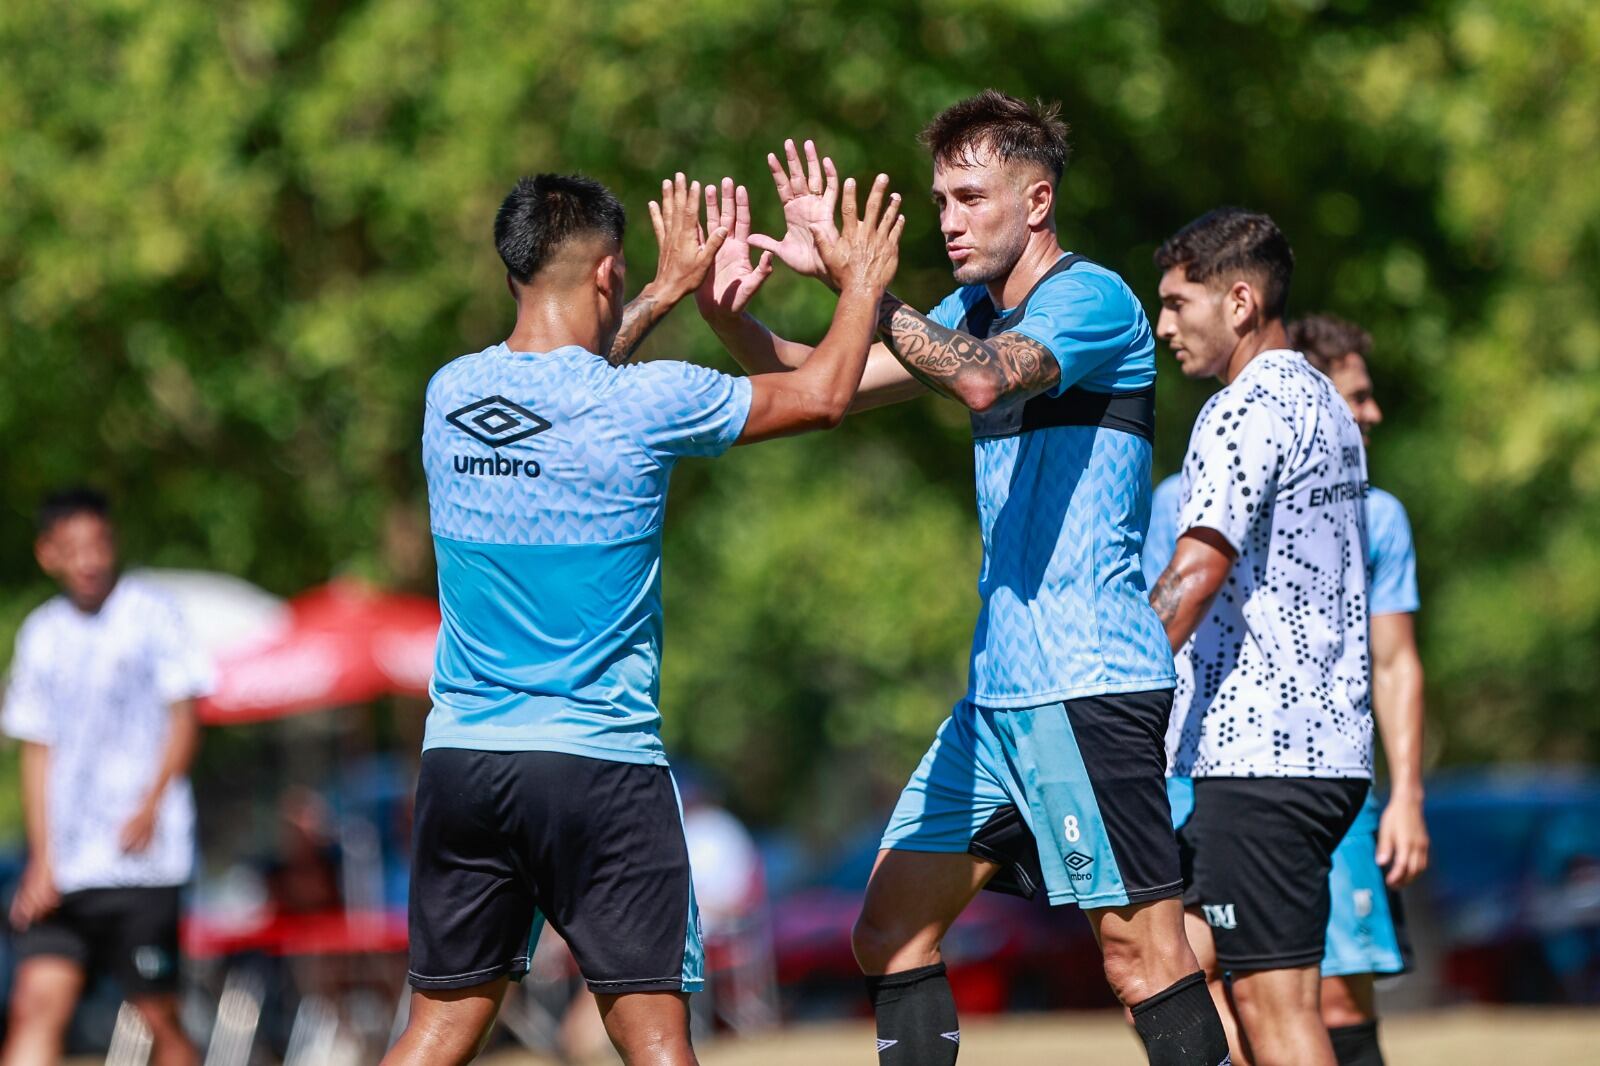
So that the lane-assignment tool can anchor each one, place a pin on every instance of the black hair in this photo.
(1328, 340)
(65, 503)
(544, 212)
(1003, 124)
(1231, 240)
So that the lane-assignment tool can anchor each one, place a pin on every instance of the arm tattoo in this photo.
(945, 360)
(1167, 596)
(638, 319)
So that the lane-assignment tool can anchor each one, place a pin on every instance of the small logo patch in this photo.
(885, 1045)
(150, 961)
(1077, 860)
(1220, 915)
(953, 1037)
(496, 421)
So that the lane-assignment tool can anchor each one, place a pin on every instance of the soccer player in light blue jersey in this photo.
(1379, 854)
(544, 793)
(1048, 774)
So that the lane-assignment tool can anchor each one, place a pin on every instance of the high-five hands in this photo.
(687, 253)
(863, 253)
(733, 279)
(809, 195)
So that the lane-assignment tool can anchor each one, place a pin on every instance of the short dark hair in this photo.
(1328, 340)
(1232, 240)
(544, 212)
(65, 503)
(1007, 126)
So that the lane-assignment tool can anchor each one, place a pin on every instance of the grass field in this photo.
(1465, 1037)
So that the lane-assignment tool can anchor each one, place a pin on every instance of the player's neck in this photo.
(1040, 254)
(546, 322)
(1268, 337)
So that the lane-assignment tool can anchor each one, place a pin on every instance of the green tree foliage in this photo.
(236, 239)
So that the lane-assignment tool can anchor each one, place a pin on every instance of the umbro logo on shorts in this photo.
(954, 1037)
(885, 1045)
(1077, 860)
(496, 421)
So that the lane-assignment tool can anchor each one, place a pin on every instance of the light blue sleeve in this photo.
(1094, 327)
(677, 409)
(1391, 556)
(949, 311)
(1162, 540)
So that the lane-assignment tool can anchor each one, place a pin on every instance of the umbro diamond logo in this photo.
(496, 421)
(1077, 860)
(954, 1037)
(885, 1045)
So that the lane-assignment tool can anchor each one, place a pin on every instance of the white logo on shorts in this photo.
(885, 1045)
(954, 1037)
(1363, 898)
(1220, 915)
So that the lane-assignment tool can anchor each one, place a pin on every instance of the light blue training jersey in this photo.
(1062, 510)
(547, 483)
(1391, 555)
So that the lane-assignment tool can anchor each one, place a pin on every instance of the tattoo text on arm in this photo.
(1167, 596)
(958, 365)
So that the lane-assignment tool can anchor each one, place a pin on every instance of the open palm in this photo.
(809, 195)
(733, 279)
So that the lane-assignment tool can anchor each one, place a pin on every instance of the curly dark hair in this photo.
(1003, 124)
(1327, 340)
(1231, 240)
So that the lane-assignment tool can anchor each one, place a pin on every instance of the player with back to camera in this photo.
(544, 793)
(1381, 852)
(101, 696)
(1048, 774)
(1265, 598)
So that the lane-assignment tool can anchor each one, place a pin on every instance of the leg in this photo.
(169, 1044)
(1280, 1011)
(1205, 953)
(912, 898)
(649, 1028)
(1349, 1010)
(447, 1026)
(42, 1000)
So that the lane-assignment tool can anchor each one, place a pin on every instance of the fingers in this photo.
(657, 224)
(797, 176)
(891, 215)
(847, 206)
(729, 215)
(741, 211)
(813, 169)
(780, 179)
(830, 191)
(764, 264)
(762, 243)
(880, 185)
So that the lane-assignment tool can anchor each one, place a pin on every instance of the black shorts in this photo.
(130, 933)
(505, 840)
(1256, 856)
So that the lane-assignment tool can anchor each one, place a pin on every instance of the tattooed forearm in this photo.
(638, 319)
(955, 364)
(1167, 597)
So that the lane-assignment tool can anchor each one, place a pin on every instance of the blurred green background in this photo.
(238, 236)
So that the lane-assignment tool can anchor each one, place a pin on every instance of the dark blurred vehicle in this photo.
(1003, 953)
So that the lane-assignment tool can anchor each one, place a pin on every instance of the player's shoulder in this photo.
(664, 376)
(1385, 512)
(139, 598)
(37, 623)
(463, 371)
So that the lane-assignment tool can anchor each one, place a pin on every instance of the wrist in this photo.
(663, 293)
(1405, 792)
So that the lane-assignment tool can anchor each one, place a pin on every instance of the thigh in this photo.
(1366, 925)
(45, 990)
(1262, 852)
(1091, 773)
(911, 900)
(952, 795)
(472, 913)
(648, 1026)
(612, 871)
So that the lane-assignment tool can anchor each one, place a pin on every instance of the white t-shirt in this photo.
(98, 689)
(1276, 683)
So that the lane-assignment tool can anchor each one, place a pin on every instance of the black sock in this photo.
(1357, 1045)
(1180, 1027)
(916, 1017)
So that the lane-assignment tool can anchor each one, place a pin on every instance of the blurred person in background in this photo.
(1380, 853)
(1265, 604)
(1048, 773)
(544, 791)
(101, 696)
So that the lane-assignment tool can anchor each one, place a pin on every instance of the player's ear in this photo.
(607, 274)
(1242, 305)
(1041, 203)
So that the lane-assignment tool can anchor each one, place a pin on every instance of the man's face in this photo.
(1349, 375)
(1195, 324)
(80, 552)
(983, 213)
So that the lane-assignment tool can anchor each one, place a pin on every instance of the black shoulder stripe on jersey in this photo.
(1127, 412)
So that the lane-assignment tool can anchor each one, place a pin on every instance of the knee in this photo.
(1127, 972)
(1341, 1006)
(37, 1009)
(874, 943)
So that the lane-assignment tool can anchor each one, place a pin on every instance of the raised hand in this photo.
(733, 279)
(686, 252)
(809, 195)
(864, 252)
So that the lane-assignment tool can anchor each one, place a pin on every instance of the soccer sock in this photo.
(1357, 1045)
(1180, 1027)
(916, 1012)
